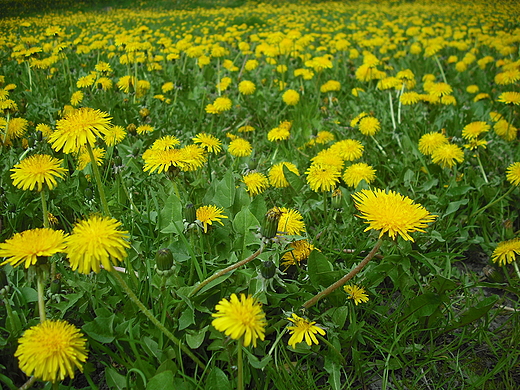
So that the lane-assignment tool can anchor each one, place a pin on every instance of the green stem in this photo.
(492, 203)
(226, 270)
(44, 209)
(515, 265)
(154, 320)
(399, 105)
(344, 279)
(440, 68)
(99, 183)
(482, 169)
(28, 384)
(41, 299)
(392, 110)
(240, 367)
(329, 344)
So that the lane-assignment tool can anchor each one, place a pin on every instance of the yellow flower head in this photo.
(392, 213)
(369, 125)
(513, 174)
(303, 329)
(291, 222)
(220, 105)
(348, 149)
(239, 318)
(209, 214)
(246, 87)
(358, 294)
(506, 251)
(277, 176)
(255, 182)
(291, 97)
(51, 351)
(357, 172)
(474, 129)
(26, 247)
(84, 157)
(37, 171)
(240, 147)
(95, 242)
(431, 141)
(505, 130)
(209, 142)
(299, 251)
(446, 155)
(278, 134)
(510, 98)
(79, 128)
(322, 177)
(115, 135)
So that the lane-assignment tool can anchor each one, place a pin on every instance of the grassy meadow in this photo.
(260, 195)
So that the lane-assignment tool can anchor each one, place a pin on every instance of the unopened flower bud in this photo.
(267, 269)
(56, 284)
(270, 223)
(493, 274)
(164, 260)
(190, 214)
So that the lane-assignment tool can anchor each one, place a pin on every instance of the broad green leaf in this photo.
(295, 181)
(187, 318)
(101, 329)
(196, 338)
(321, 271)
(114, 379)
(161, 381)
(244, 221)
(29, 294)
(171, 217)
(454, 206)
(423, 306)
(225, 191)
(441, 284)
(473, 313)
(217, 380)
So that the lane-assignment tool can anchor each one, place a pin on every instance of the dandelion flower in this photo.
(409, 98)
(369, 125)
(220, 105)
(94, 242)
(76, 98)
(79, 128)
(291, 97)
(291, 222)
(115, 135)
(26, 247)
(348, 149)
(239, 318)
(321, 177)
(278, 134)
(240, 147)
(193, 157)
(276, 174)
(84, 157)
(143, 129)
(506, 251)
(510, 98)
(209, 214)
(513, 174)
(300, 250)
(209, 142)
(505, 130)
(330, 86)
(472, 88)
(246, 87)
(161, 160)
(508, 77)
(303, 329)
(329, 156)
(37, 171)
(165, 143)
(474, 129)
(431, 141)
(50, 351)
(356, 293)
(439, 89)
(446, 155)
(481, 96)
(357, 172)
(255, 182)
(392, 213)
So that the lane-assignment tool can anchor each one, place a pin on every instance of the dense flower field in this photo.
(274, 195)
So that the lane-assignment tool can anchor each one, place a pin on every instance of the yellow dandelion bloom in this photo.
(348, 149)
(446, 155)
(94, 242)
(513, 174)
(330, 86)
(303, 329)
(431, 141)
(246, 129)
(220, 105)
(84, 157)
(239, 318)
(206, 215)
(14, 128)
(329, 156)
(240, 147)
(506, 251)
(278, 134)
(277, 176)
(76, 98)
(27, 246)
(115, 135)
(392, 213)
(193, 157)
(291, 97)
(357, 172)
(300, 250)
(369, 125)
(321, 177)
(161, 160)
(472, 88)
(481, 96)
(255, 182)
(50, 351)
(37, 171)
(165, 143)
(209, 142)
(357, 294)
(143, 129)
(509, 98)
(79, 128)
(505, 130)
(474, 129)
(291, 222)
(246, 87)
(409, 98)
(439, 89)
(508, 77)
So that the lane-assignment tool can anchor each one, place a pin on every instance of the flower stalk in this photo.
(99, 183)
(344, 279)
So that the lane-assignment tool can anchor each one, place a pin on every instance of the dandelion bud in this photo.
(164, 261)
(144, 112)
(131, 128)
(190, 214)
(4, 283)
(493, 274)
(270, 223)
(88, 193)
(56, 284)
(267, 269)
